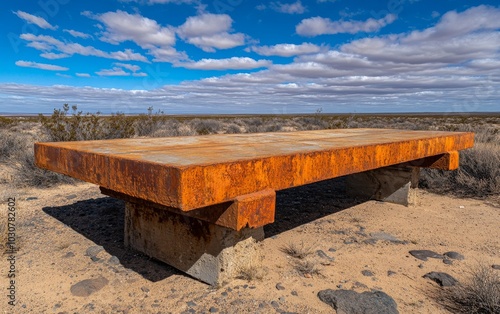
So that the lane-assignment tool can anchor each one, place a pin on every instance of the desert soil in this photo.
(58, 227)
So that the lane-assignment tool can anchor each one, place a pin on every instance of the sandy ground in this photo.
(56, 227)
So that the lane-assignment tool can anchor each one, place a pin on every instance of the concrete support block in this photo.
(393, 184)
(208, 252)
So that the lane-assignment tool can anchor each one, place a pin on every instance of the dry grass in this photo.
(480, 293)
(297, 251)
(307, 267)
(250, 273)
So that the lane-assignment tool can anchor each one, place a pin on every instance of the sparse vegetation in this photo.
(307, 267)
(297, 251)
(251, 273)
(478, 294)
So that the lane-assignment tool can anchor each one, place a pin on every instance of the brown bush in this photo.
(479, 293)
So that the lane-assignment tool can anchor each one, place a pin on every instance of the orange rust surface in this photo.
(252, 210)
(198, 171)
(446, 161)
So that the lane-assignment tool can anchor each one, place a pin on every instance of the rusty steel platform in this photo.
(189, 173)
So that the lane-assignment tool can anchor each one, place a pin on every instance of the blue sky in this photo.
(242, 56)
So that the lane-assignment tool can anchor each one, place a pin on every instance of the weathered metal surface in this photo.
(194, 172)
(446, 161)
(246, 211)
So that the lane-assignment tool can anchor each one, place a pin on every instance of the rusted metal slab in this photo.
(446, 161)
(199, 171)
(246, 211)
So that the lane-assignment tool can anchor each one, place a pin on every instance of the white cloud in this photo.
(139, 74)
(64, 75)
(210, 31)
(234, 63)
(82, 74)
(116, 71)
(288, 8)
(51, 55)
(320, 26)
(131, 67)
(47, 44)
(42, 66)
(285, 50)
(121, 26)
(77, 33)
(33, 19)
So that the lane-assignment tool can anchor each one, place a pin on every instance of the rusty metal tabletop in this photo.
(196, 171)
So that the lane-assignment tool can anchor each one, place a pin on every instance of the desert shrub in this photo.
(479, 293)
(233, 129)
(10, 144)
(61, 126)
(206, 126)
(28, 174)
(6, 122)
(148, 124)
(479, 172)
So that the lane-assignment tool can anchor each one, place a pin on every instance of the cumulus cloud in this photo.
(285, 50)
(131, 67)
(41, 66)
(77, 33)
(234, 63)
(33, 19)
(121, 26)
(82, 74)
(47, 44)
(210, 31)
(320, 26)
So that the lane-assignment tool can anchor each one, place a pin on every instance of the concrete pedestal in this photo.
(393, 184)
(208, 252)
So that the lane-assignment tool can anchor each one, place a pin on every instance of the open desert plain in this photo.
(63, 248)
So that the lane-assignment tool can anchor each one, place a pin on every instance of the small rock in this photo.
(86, 287)
(425, 254)
(236, 302)
(332, 250)
(370, 241)
(69, 254)
(145, 289)
(454, 255)
(461, 207)
(213, 310)
(294, 293)
(281, 299)
(421, 266)
(279, 286)
(224, 294)
(93, 251)
(323, 255)
(348, 301)
(275, 304)
(495, 266)
(191, 304)
(443, 279)
(95, 259)
(114, 260)
(391, 273)
(350, 240)
(382, 236)
(70, 197)
(307, 275)
(448, 261)
(31, 198)
(367, 273)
